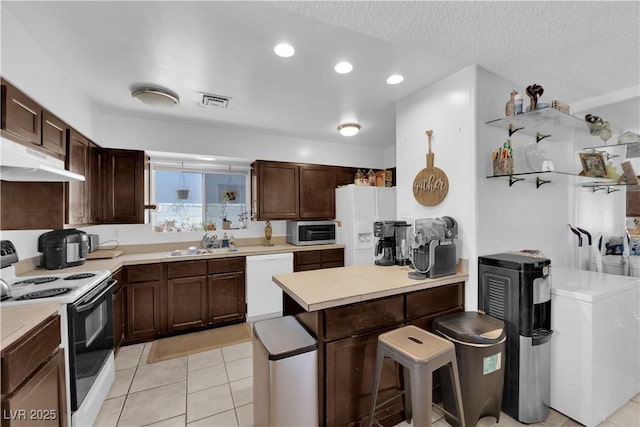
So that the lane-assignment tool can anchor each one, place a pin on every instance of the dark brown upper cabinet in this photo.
(276, 187)
(21, 116)
(123, 186)
(54, 133)
(77, 201)
(317, 192)
(293, 191)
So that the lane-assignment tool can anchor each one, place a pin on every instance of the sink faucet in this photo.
(210, 240)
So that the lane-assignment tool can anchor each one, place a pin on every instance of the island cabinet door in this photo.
(350, 366)
(186, 303)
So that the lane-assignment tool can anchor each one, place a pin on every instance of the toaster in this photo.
(63, 248)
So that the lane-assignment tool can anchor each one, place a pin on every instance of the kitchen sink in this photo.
(197, 252)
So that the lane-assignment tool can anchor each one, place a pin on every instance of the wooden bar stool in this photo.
(420, 353)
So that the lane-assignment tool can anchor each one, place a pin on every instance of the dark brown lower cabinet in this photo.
(226, 297)
(350, 365)
(181, 296)
(118, 318)
(33, 379)
(41, 400)
(143, 311)
(186, 303)
(347, 341)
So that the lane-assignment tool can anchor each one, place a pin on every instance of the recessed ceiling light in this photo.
(156, 97)
(207, 159)
(349, 129)
(284, 50)
(394, 79)
(343, 68)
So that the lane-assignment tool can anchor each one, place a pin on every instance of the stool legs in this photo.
(408, 407)
(421, 384)
(376, 383)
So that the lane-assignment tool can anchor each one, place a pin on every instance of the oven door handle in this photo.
(84, 306)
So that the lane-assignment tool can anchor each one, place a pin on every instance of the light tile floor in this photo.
(215, 389)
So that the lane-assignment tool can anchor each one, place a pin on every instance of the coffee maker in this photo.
(433, 247)
(385, 247)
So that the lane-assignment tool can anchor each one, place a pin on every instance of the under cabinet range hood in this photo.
(20, 163)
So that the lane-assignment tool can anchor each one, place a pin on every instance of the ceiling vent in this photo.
(209, 100)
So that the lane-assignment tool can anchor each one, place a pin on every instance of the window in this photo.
(197, 200)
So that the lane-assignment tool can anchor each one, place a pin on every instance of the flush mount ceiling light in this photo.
(284, 50)
(343, 68)
(155, 97)
(395, 79)
(348, 129)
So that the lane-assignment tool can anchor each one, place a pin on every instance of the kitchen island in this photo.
(346, 309)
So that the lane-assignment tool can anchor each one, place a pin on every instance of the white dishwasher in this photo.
(264, 298)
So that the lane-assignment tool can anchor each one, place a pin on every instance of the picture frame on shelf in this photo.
(593, 165)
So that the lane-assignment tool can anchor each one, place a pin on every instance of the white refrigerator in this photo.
(357, 207)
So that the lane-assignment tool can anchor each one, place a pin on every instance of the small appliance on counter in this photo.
(386, 245)
(302, 233)
(433, 250)
(94, 242)
(63, 248)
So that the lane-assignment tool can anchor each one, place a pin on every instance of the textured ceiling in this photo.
(574, 49)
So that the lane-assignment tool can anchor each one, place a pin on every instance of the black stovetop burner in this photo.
(46, 293)
(79, 276)
(35, 281)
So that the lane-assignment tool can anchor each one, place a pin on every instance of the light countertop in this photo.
(334, 287)
(113, 264)
(588, 286)
(19, 320)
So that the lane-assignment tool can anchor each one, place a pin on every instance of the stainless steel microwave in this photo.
(302, 233)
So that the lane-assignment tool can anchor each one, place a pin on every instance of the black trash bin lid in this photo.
(470, 327)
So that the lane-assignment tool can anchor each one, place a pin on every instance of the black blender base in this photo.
(384, 262)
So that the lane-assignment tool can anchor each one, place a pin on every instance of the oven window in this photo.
(90, 342)
(95, 323)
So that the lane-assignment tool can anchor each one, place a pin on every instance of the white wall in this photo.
(145, 134)
(25, 64)
(521, 216)
(447, 107)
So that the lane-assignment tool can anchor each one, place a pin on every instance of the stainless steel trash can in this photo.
(479, 341)
(285, 374)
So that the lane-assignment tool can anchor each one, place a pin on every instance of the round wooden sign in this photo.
(431, 184)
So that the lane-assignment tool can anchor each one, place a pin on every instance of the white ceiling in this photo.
(575, 50)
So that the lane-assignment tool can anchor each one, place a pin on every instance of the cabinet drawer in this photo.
(308, 257)
(434, 300)
(144, 273)
(186, 269)
(21, 359)
(357, 318)
(226, 265)
(332, 256)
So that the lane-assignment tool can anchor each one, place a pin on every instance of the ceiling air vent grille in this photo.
(209, 100)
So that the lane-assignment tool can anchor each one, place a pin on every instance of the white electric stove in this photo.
(86, 327)
(65, 288)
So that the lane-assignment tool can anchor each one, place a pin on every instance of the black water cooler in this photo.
(517, 290)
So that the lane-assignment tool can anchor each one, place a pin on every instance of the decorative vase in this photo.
(509, 108)
(267, 233)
